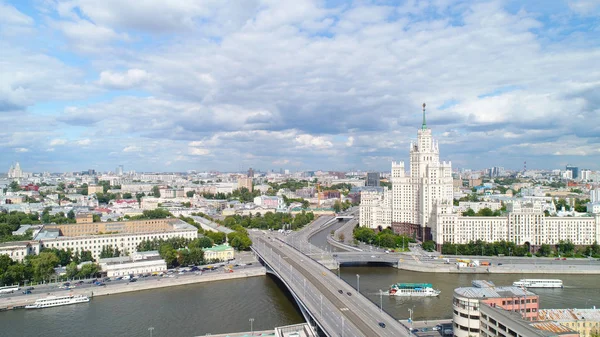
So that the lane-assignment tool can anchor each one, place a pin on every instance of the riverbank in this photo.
(114, 289)
(504, 269)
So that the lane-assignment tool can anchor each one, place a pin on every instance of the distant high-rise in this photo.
(250, 173)
(574, 171)
(119, 170)
(372, 179)
(15, 171)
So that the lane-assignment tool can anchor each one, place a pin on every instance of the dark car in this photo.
(29, 288)
(250, 263)
(499, 264)
(381, 324)
(349, 293)
(80, 282)
(340, 291)
(26, 292)
(133, 280)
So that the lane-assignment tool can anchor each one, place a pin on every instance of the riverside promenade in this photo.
(15, 302)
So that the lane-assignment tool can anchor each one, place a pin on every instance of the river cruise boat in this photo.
(413, 289)
(56, 301)
(538, 283)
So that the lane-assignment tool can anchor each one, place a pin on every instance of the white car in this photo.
(126, 277)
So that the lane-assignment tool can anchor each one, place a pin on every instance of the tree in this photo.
(337, 206)
(96, 218)
(88, 270)
(469, 212)
(43, 265)
(85, 255)
(127, 196)
(341, 237)
(217, 237)
(156, 192)
(201, 242)
(544, 250)
(14, 186)
(190, 194)
(71, 215)
(428, 245)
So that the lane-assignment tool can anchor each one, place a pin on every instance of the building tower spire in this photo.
(424, 127)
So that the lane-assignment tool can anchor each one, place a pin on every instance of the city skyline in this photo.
(298, 85)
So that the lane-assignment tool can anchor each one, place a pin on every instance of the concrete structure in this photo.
(477, 206)
(467, 302)
(245, 182)
(125, 236)
(84, 218)
(15, 171)
(17, 250)
(414, 195)
(138, 263)
(321, 296)
(269, 202)
(219, 253)
(92, 189)
(585, 321)
(574, 171)
(496, 321)
(372, 179)
(525, 223)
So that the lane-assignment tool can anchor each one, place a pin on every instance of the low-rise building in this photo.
(221, 253)
(138, 263)
(496, 321)
(17, 250)
(125, 236)
(585, 321)
(467, 302)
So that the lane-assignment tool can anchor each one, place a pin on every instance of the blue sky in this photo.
(223, 85)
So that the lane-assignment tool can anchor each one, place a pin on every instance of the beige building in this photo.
(245, 182)
(95, 189)
(125, 236)
(585, 321)
(414, 194)
(84, 218)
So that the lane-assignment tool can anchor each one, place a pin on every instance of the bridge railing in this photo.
(325, 313)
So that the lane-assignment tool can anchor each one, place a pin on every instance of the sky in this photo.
(305, 84)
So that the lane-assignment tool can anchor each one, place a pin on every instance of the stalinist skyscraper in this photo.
(413, 194)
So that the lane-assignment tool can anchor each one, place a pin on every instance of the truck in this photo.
(486, 263)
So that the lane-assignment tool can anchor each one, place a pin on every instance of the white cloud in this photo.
(314, 142)
(10, 15)
(281, 162)
(83, 142)
(350, 141)
(196, 151)
(131, 78)
(21, 149)
(58, 141)
(132, 148)
(585, 7)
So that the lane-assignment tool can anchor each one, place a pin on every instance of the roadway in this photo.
(87, 284)
(349, 313)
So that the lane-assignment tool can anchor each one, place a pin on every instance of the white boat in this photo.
(413, 289)
(538, 283)
(56, 301)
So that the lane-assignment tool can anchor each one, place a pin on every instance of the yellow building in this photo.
(221, 252)
(584, 321)
(95, 189)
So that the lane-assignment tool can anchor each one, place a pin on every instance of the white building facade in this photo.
(413, 194)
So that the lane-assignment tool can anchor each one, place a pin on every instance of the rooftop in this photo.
(486, 289)
(569, 314)
(218, 248)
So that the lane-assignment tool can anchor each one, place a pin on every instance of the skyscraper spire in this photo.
(424, 127)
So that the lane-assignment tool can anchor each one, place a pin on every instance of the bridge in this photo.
(366, 257)
(325, 300)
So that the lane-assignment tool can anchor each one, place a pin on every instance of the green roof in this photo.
(218, 248)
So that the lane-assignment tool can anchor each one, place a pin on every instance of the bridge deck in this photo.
(318, 288)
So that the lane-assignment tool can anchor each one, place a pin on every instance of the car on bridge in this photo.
(381, 324)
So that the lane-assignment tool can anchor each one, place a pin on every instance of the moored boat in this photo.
(56, 301)
(538, 283)
(413, 289)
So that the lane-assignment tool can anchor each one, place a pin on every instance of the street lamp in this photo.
(251, 326)
(410, 311)
(380, 300)
(358, 283)
(151, 329)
